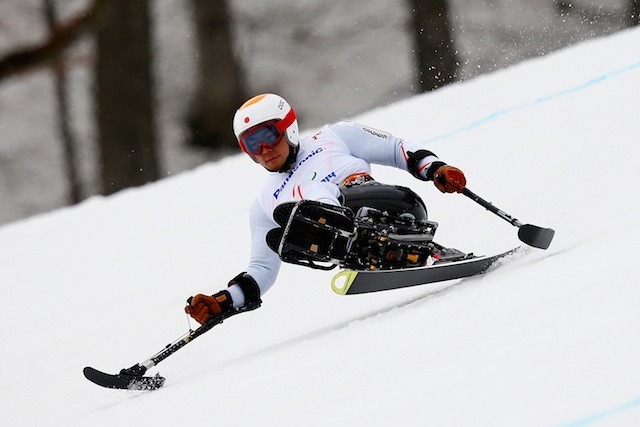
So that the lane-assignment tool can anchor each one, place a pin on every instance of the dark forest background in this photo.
(116, 42)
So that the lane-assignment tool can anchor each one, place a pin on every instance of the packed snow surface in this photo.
(550, 338)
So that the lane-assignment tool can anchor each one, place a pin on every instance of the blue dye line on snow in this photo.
(632, 404)
(540, 100)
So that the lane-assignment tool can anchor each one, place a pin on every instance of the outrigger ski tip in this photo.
(125, 380)
(535, 236)
(133, 378)
(532, 235)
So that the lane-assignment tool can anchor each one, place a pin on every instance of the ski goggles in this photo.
(267, 134)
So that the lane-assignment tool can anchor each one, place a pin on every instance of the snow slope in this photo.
(551, 338)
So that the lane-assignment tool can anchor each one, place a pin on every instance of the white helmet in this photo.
(265, 108)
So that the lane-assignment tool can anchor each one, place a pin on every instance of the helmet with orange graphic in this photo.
(262, 121)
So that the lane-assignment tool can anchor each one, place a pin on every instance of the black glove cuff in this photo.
(414, 159)
(250, 289)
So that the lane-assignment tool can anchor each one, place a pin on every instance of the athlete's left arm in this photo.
(380, 147)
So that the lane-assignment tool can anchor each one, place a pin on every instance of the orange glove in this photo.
(449, 179)
(202, 307)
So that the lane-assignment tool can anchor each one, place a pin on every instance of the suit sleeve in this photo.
(264, 264)
(380, 147)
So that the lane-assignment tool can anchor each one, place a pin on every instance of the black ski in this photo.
(349, 282)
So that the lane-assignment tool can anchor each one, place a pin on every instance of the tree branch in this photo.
(62, 36)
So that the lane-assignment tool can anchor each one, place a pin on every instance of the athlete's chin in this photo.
(273, 166)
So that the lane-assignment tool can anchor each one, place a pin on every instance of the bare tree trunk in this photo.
(634, 12)
(68, 140)
(219, 90)
(435, 50)
(125, 104)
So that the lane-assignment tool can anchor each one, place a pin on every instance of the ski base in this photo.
(124, 380)
(349, 282)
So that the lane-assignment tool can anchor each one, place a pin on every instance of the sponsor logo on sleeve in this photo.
(375, 133)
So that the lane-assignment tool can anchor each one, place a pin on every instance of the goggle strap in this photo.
(287, 121)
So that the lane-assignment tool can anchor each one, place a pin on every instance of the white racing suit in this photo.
(324, 161)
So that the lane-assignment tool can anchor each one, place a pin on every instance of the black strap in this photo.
(250, 289)
(414, 159)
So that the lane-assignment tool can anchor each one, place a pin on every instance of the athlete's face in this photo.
(273, 158)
